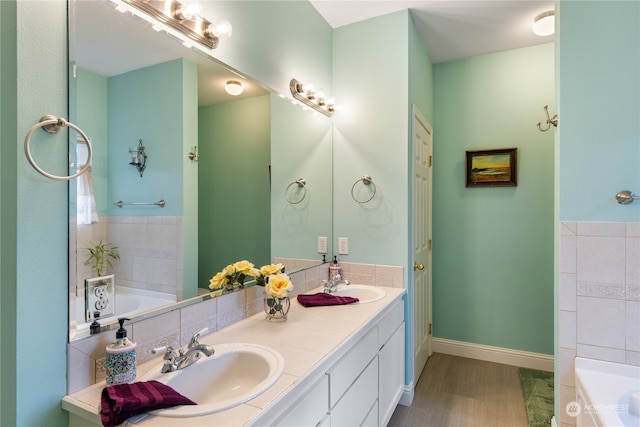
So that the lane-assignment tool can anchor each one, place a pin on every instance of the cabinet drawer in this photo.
(347, 369)
(309, 410)
(390, 322)
(355, 405)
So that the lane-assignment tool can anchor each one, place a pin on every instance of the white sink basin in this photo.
(364, 293)
(235, 374)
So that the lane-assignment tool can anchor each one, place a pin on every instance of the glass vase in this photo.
(275, 308)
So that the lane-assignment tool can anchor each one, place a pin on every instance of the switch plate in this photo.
(343, 246)
(322, 245)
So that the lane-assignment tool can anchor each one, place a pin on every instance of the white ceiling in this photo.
(451, 29)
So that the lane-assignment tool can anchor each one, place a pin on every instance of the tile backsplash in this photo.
(599, 298)
(86, 357)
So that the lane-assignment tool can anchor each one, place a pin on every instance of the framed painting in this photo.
(492, 168)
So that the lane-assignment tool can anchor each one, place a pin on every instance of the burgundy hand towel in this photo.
(322, 298)
(121, 401)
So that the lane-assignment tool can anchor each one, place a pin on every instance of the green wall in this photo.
(598, 92)
(233, 182)
(493, 247)
(34, 220)
(132, 117)
(301, 148)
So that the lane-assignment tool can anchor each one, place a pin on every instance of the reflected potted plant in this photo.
(101, 255)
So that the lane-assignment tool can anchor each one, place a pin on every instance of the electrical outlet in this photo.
(322, 245)
(343, 246)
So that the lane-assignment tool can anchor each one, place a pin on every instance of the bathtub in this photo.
(129, 302)
(607, 394)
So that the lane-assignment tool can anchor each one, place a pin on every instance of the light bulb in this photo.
(181, 13)
(223, 28)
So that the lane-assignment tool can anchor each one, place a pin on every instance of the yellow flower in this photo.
(268, 270)
(278, 285)
(244, 267)
(218, 280)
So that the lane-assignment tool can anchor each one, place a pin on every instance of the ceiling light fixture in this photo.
(233, 87)
(307, 94)
(544, 24)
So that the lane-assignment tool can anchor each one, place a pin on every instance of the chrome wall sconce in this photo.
(309, 96)
(183, 17)
(138, 157)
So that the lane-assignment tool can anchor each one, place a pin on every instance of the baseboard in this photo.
(407, 395)
(507, 356)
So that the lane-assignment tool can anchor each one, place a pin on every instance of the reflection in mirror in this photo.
(210, 158)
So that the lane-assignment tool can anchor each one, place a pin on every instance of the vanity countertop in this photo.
(310, 340)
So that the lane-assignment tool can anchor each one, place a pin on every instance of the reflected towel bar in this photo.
(160, 203)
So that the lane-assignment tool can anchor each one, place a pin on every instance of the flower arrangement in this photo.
(232, 274)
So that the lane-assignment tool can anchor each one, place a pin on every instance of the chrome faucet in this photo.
(180, 359)
(330, 286)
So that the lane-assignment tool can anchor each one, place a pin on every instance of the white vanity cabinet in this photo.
(362, 388)
(357, 381)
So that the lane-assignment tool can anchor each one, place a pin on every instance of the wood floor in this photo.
(456, 392)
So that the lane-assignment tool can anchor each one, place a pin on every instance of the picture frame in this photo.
(496, 167)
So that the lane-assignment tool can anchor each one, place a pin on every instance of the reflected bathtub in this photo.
(607, 394)
(129, 302)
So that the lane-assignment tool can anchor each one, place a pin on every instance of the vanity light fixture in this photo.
(544, 23)
(307, 94)
(184, 18)
(233, 87)
(138, 157)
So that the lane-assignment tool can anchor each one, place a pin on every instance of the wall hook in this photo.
(193, 154)
(550, 120)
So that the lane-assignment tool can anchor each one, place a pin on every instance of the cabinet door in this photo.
(391, 374)
(355, 405)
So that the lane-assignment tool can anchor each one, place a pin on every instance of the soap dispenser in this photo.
(121, 358)
(335, 269)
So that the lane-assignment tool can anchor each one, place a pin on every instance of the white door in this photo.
(422, 317)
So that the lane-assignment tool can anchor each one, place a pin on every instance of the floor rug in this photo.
(537, 388)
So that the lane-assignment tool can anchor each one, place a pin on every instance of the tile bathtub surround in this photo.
(150, 251)
(86, 357)
(599, 297)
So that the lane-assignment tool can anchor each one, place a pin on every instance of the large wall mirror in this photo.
(225, 167)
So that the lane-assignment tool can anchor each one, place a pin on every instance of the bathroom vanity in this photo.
(343, 365)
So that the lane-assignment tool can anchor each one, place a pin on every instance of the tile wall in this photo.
(599, 298)
(86, 357)
(150, 251)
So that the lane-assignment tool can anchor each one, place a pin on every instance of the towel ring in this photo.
(301, 183)
(51, 125)
(366, 180)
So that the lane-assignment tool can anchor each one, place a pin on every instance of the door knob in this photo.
(417, 266)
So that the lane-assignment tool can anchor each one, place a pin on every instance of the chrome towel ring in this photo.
(301, 183)
(366, 180)
(51, 125)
